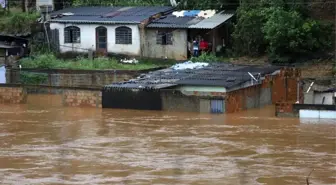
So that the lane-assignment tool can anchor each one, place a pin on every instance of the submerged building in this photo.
(211, 88)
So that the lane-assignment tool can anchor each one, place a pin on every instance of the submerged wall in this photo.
(176, 101)
(13, 95)
(305, 110)
(76, 97)
(82, 98)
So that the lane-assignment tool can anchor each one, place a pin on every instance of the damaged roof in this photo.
(216, 74)
(189, 22)
(108, 15)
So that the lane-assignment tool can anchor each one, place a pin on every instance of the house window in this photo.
(71, 34)
(123, 35)
(164, 38)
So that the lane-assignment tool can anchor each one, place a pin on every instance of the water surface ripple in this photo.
(44, 144)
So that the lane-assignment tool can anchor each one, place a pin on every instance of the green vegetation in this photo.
(33, 78)
(17, 22)
(280, 29)
(208, 57)
(49, 61)
(183, 4)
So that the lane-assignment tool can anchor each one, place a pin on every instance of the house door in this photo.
(101, 40)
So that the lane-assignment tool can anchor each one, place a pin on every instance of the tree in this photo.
(290, 36)
(279, 27)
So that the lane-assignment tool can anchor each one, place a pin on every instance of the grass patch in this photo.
(49, 61)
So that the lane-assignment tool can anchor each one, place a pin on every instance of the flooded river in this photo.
(44, 143)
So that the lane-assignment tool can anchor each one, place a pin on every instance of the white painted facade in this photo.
(328, 98)
(88, 38)
(43, 3)
(317, 114)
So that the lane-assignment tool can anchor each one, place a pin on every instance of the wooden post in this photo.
(214, 33)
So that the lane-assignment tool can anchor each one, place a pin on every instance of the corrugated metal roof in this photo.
(172, 21)
(87, 10)
(101, 20)
(216, 74)
(212, 22)
(108, 15)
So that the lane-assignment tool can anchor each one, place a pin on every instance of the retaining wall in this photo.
(75, 78)
(13, 95)
(82, 98)
(76, 97)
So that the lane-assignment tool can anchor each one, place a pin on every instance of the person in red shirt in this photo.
(204, 46)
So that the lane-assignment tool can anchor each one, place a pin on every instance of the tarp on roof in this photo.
(212, 22)
(188, 22)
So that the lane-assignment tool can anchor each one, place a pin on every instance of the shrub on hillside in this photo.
(289, 35)
(279, 28)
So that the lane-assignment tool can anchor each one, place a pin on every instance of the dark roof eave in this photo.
(95, 22)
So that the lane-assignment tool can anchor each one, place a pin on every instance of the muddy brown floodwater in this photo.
(42, 142)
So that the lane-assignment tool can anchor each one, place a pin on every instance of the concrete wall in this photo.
(75, 79)
(82, 98)
(328, 98)
(179, 102)
(247, 98)
(317, 114)
(98, 79)
(13, 95)
(178, 50)
(288, 109)
(70, 97)
(88, 39)
(308, 98)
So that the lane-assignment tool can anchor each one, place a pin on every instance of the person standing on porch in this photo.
(195, 47)
(203, 46)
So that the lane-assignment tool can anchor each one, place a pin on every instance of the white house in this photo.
(103, 29)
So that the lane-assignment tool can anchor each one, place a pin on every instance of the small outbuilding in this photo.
(215, 88)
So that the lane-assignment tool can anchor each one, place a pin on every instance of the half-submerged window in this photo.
(71, 34)
(123, 35)
(164, 38)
